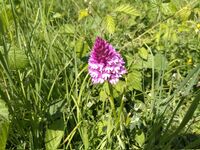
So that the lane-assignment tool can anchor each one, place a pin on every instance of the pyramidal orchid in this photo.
(105, 63)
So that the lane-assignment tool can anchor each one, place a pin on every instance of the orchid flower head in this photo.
(105, 63)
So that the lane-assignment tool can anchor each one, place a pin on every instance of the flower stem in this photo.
(120, 112)
(111, 99)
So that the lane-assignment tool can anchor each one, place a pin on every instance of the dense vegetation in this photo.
(47, 99)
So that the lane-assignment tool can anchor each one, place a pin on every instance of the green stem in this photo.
(120, 111)
(111, 99)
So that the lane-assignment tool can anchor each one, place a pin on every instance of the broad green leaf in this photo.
(167, 31)
(69, 28)
(120, 86)
(55, 107)
(17, 59)
(103, 95)
(102, 124)
(54, 134)
(110, 24)
(166, 9)
(140, 138)
(134, 81)
(160, 62)
(81, 48)
(143, 53)
(57, 15)
(139, 63)
(104, 92)
(127, 9)
(3, 110)
(4, 125)
(184, 13)
(117, 90)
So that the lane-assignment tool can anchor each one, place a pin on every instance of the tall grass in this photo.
(47, 100)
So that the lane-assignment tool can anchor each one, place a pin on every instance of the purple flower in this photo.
(105, 63)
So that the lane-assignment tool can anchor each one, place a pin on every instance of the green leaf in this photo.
(17, 59)
(55, 107)
(3, 110)
(57, 15)
(166, 9)
(191, 83)
(193, 74)
(68, 28)
(103, 95)
(140, 138)
(54, 134)
(137, 62)
(81, 48)
(193, 144)
(127, 9)
(143, 53)
(134, 81)
(4, 20)
(189, 113)
(102, 124)
(4, 125)
(104, 92)
(160, 62)
(85, 137)
(184, 13)
(120, 86)
(121, 142)
(2, 25)
(110, 24)
(186, 119)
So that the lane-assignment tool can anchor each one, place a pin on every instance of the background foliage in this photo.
(47, 100)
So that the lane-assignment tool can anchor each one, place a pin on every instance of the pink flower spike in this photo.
(105, 63)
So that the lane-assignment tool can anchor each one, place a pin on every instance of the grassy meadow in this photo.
(47, 99)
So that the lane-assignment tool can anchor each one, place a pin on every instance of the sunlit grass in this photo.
(47, 99)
